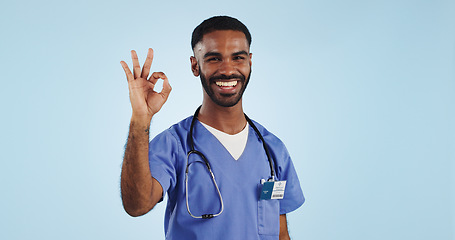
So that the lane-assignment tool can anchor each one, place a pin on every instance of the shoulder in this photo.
(177, 129)
(271, 139)
(169, 145)
(177, 133)
(182, 127)
(277, 149)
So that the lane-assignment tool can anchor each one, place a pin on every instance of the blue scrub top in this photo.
(244, 215)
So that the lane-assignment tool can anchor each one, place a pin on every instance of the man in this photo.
(213, 166)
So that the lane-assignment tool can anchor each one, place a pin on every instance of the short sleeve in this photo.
(293, 195)
(163, 152)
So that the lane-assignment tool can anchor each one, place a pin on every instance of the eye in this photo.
(239, 58)
(213, 59)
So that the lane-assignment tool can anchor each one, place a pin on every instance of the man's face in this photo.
(223, 62)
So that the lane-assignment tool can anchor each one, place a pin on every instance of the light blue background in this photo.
(362, 93)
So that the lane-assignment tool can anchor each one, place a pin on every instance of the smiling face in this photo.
(223, 62)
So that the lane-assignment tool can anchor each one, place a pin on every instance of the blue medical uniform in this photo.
(244, 215)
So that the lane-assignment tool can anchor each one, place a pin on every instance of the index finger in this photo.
(147, 64)
(155, 76)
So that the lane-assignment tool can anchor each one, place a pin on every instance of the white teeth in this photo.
(227, 84)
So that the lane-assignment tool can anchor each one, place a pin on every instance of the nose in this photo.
(227, 68)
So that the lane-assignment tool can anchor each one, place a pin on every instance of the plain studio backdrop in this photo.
(361, 92)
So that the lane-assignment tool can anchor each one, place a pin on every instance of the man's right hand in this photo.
(140, 191)
(145, 101)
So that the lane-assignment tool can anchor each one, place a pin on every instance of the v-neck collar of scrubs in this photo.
(235, 144)
(212, 138)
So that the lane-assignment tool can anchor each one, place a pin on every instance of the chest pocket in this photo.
(268, 217)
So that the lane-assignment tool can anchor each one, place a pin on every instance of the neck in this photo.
(230, 120)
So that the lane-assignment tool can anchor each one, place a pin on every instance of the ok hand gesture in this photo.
(145, 101)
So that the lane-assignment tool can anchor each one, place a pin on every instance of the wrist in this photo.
(140, 121)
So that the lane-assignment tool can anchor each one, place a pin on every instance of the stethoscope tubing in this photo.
(193, 151)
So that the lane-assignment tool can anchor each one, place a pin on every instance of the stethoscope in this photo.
(190, 137)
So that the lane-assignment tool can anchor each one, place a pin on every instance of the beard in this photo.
(225, 100)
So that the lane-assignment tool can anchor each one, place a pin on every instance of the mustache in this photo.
(225, 77)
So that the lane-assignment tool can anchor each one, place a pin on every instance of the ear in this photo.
(194, 66)
(251, 62)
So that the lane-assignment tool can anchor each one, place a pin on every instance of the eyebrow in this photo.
(217, 54)
(240, 53)
(212, 54)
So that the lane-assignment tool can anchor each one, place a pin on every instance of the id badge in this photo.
(273, 190)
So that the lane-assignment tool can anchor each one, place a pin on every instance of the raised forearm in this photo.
(136, 179)
(140, 191)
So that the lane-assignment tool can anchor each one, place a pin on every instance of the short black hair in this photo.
(219, 23)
